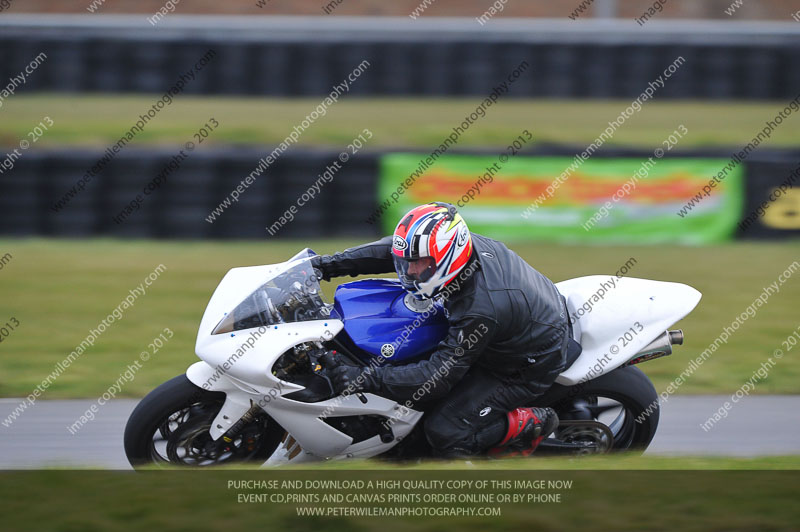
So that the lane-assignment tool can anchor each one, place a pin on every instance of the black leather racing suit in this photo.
(507, 342)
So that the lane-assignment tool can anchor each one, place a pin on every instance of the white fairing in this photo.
(215, 349)
(240, 364)
(630, 314)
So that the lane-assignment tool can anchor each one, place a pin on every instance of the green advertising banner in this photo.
(630, 200)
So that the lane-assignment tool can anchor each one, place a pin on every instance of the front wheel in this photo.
(171, 426)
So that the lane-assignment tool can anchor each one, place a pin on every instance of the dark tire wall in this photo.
(169, 397)
(180, 207)
(628, 385)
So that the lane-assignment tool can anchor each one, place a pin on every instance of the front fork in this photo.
(233, 432)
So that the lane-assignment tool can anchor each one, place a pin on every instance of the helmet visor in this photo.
(414, 270)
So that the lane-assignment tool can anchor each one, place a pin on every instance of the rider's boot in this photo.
(527, 427)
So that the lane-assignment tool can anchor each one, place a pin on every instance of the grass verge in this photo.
(100, 120)
(60, 289)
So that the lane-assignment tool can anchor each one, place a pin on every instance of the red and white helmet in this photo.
(430, 246)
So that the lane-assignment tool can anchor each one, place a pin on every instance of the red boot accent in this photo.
(518, 419)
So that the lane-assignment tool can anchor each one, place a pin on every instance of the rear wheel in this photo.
(624, 401)
(171, 426)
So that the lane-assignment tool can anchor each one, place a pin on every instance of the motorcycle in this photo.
(261, 394)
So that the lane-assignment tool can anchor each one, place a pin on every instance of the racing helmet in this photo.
(430, 247)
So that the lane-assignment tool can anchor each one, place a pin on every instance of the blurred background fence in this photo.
(288, 57)
(281, 56)
(183, 207)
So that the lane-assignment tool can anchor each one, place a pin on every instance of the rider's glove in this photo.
(350, 379)
(319, 271)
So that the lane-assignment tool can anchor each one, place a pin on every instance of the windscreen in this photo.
(291, 296)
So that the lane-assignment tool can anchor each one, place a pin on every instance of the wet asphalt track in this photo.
(765, 425)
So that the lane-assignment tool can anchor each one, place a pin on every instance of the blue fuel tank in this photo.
(379, 320)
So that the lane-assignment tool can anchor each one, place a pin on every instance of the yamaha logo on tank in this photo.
(387, 350)
(399, 243)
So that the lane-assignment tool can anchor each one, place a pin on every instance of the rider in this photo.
(507, 342)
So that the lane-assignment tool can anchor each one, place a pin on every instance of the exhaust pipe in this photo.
(676, 337)
(660, 347)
